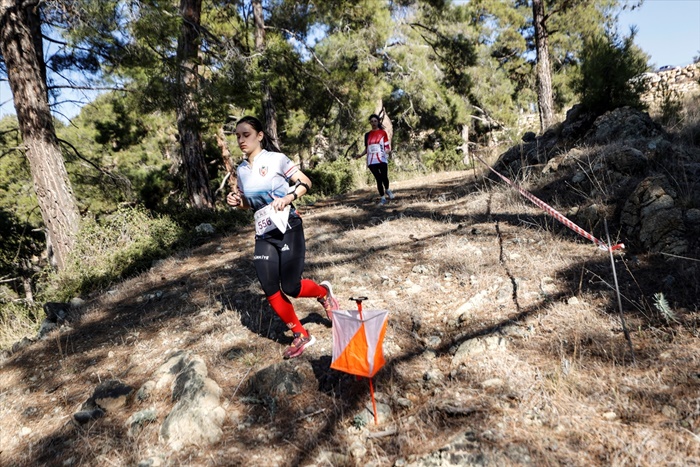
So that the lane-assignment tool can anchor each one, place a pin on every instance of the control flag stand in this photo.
(357, 343)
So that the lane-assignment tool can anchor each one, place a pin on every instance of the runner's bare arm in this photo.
(302, 185)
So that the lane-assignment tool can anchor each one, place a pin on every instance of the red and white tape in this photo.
(554, 213)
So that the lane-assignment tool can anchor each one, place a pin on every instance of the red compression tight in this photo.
(285, 310)
(310, 288)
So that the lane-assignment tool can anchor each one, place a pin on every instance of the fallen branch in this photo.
(310, 414)
(454, 410)
(241, 381)
(382, 434)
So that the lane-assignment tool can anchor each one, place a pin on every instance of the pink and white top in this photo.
(378, 144)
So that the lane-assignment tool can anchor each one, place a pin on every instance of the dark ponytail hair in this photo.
(379, 119)
(267, 142)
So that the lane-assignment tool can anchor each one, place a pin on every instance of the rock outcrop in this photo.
(621, 167)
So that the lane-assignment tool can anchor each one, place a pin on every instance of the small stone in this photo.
(404, 402)
(669, 411)
(76, 303)
(433, 375)
(205, 228)
(85, 416)
(492, 383)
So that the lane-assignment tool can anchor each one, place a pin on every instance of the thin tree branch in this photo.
(310, 49)
(427, 41)
(90, 88)
(11, 130)
(222, 185)
(109, 175)
(9, 150)
(58, 112)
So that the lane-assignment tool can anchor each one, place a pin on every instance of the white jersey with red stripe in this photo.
(377, 142)
(267, 177)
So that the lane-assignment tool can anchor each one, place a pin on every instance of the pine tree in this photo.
(22, 51)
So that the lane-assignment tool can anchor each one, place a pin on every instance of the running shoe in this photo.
(329, 302)
(390, 194)
(299, 343)
(382, 201)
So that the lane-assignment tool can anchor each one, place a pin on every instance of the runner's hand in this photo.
(280, 203)
(234, 199)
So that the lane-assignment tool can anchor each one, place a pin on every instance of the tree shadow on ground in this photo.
(88, 344)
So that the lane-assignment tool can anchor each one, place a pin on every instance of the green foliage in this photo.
(456, 54)
(690, 131)
(19, 243)
(610, 73)
(121, 129)
(111, 248)
(505, 48)
(120, 155)
(429, 70)
(662, 306)
(223, 219)
(339, 88)
(506, 35)
(332, 178)
(16, 188)
(442, 160)
(358, 422)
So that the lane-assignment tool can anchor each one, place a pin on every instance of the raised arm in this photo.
(302, 185)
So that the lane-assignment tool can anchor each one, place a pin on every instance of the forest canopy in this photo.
(171, 79)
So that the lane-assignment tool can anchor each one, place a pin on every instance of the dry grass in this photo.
(550, 379)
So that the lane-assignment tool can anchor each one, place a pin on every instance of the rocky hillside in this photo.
(621, 167)
(507, 342)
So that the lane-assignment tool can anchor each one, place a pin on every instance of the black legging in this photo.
(381, 175)
(279, 260)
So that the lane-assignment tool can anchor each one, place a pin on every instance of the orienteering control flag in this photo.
(357, 341)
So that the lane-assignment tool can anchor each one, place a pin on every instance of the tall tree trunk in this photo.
(19, 23)
(464, 133)
(385, 120)
(188, 122)
(268, 103)
(545, 100)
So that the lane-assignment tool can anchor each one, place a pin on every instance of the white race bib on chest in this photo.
(374, 148)
(267, 219)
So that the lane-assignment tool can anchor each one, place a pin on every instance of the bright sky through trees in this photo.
(667, 30)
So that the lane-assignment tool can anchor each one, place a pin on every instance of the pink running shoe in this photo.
(299, 343)
(329, 302)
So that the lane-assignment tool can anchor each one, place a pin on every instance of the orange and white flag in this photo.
(357, 341)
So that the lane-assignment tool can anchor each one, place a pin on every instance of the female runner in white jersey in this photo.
(378, 149)
(264, 179)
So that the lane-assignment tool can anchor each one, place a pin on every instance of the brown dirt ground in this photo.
(456, 261)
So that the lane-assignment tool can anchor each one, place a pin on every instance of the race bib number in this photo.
(374, 148)
(267, 219)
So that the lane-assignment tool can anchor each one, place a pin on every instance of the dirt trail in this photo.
(504, 347)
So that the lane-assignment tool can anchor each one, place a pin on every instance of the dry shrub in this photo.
(689, 131)
(558, 389)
